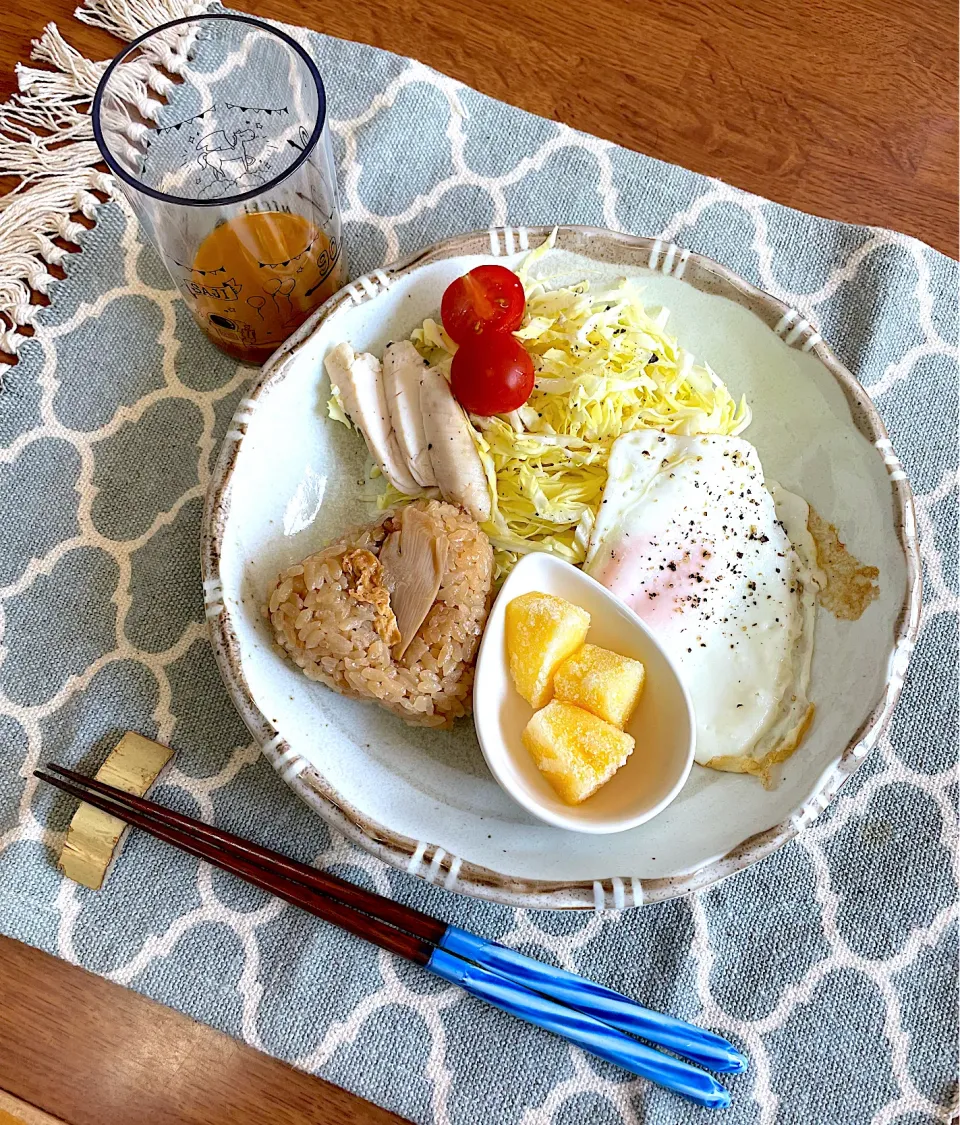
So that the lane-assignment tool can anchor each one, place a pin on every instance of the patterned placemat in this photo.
(833, 963)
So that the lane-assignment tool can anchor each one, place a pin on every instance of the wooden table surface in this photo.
(847, 108)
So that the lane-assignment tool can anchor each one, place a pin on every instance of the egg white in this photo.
(722, 568)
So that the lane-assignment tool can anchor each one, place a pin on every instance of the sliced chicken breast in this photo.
(358, 380)
(414, 561)
(456, 462)
(402, 369)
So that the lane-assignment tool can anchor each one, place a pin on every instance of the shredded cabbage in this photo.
(605, 365)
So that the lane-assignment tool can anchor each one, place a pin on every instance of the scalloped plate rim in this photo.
(414, 856)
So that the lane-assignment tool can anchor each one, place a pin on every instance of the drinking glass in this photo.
(229, 171)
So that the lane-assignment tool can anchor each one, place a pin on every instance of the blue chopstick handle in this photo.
(694, 1043)
(584, 1030)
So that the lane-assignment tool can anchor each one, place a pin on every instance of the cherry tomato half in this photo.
(487, 299)
(492, 375)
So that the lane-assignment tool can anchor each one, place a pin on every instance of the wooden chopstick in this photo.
(586, 1013)
(689, 1041)
(275, 882)
(404, 917)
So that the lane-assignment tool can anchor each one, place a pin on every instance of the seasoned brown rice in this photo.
(334, 637)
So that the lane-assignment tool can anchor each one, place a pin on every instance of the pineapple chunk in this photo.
(574, 750)
(600, 681)
(541, 632)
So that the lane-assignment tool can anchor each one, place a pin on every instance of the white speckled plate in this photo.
(288, 480)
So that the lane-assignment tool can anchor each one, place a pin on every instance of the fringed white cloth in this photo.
(46, 142)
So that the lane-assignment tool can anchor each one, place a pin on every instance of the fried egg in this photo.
(722, 568)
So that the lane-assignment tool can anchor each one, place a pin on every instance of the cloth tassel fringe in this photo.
(129, 19)
(46, 142)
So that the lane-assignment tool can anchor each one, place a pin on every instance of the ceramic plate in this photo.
(288, 480)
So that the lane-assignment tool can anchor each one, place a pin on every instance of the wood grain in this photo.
(93, 1053)
(13, 1111)
(847, 108)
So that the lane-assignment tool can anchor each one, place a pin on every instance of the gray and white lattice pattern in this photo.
(833, 963)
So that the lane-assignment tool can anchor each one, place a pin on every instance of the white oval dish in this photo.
(662, 726)
(288, 480)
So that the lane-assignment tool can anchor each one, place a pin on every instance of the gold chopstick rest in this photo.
(94, 838)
